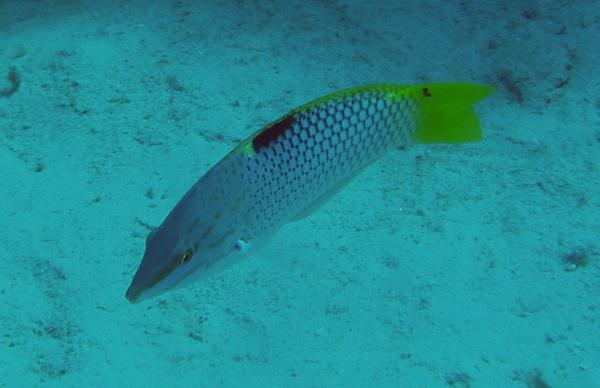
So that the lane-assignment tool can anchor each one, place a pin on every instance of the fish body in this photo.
(287, 168)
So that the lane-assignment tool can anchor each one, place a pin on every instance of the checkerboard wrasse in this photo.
(287, 169)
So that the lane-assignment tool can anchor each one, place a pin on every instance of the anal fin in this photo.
(325, 197)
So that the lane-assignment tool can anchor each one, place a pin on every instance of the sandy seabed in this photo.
(441, 265)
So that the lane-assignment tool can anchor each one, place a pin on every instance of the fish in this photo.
(289, 168)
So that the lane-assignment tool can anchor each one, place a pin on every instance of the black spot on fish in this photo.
(271, 133)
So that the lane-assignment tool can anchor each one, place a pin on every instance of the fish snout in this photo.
(133, 293)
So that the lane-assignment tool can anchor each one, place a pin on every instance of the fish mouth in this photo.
(140, 292)
(146, 284)
(133, 294)
(136, 293)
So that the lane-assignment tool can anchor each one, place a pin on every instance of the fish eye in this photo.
(185, 258)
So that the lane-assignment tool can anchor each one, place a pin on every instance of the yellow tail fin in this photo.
(446, 112)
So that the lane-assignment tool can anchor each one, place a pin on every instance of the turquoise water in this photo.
(441, 265)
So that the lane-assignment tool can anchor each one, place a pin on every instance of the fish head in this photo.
(202, 234)
(172, 261)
